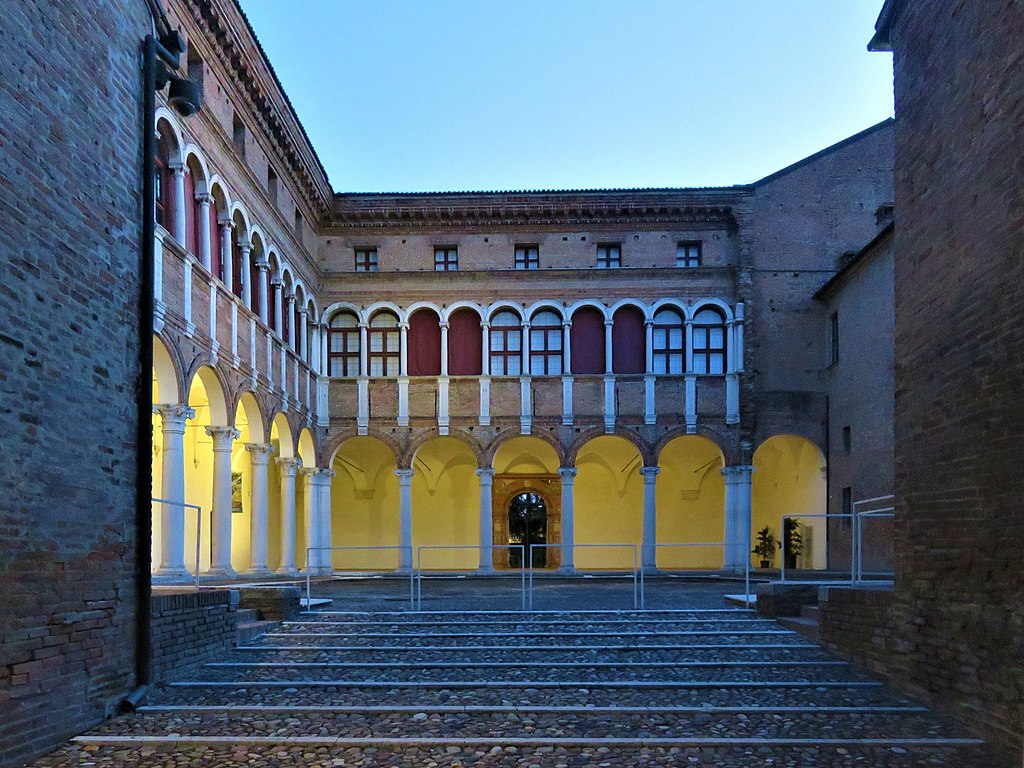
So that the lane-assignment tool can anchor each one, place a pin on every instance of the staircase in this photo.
(545, 689)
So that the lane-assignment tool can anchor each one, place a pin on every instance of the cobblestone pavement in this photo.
(696, 685)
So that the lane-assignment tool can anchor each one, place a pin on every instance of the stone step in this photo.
(482, 616)
(297, 636)
(807, 627)
(526, 724)
(810, 612)
(250, 631)
(247, 615)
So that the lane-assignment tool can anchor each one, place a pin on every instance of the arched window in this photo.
(587, 335)
(545, 344)
(286, 316)
(424, 344)
(708, 342)
(216, 241)
(297, 346)
(343, 345)
(191, 214)
(385, 341)
(669, 342)
(254, 279)
(629, 348)
(465, 343)
(236, 267)
(506, 344)
(163, 182)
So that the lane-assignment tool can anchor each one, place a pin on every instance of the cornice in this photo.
(229, 35)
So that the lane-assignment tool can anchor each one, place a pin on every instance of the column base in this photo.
(287, 570)
(261, 572)
(568, 570)
(318, 570)
(172, 575)
(221, 572)
(485, 570)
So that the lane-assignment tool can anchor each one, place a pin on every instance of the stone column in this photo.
(568, 475)
(485, 362)
(407, 557)
(290, 309)
(324, 477)
(444, 348)
(525, 349)
(263, 290)
(223, 439)
(311, 494)
(608, 324)
(737, 516)
(246, 277)
(179, 203)
(204, 230)
(486, 476)
(566, 347)
(227, 256)
(364, 350)
(303, 348)
(648, 559)
(649, 377)
(403, 349)
(288, 468)
(259, 456)
(172, 516)
(278, 306)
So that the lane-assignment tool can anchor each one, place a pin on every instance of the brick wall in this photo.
(70, 147)
(856, 623)
(190, 628)
(958, 610)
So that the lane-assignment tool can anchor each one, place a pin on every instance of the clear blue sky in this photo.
(403, 95)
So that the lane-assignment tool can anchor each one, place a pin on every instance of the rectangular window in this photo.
(833, 338)
(366, 259)
(546, 350)
(688, 254)
(272, 182)
(668, 343)
(238, 135)
(527, 257)
(847, 440)
(708, 349)
(506, 351)
(847, 507)
(609, 256)
(446, 258)
(343, 351)
(384, 351)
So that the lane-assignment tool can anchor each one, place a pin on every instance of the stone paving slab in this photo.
(713, 639)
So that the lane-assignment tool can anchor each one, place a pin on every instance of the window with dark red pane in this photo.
(297, 325)
(384, 341)
(587, 336)
(628, 341)
(191, 214)
(216, 242)
(254, 282)
(343, 345)
(286, 319)
(424, 344)
(236, 267)
(465, 343)
(708, 342)
(545, 344)
(164, 192)
(668, 348)
(271, 302)
(506, 344)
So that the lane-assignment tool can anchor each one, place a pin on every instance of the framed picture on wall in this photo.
(236, 493)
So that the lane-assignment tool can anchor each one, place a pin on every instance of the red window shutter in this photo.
(465, 343)
(191, 214)
(587, 336)
(628, 341)
(216, 254)
(424, 344)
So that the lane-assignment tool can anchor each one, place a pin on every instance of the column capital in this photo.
(303, 312)
(566, 324)
(223, 437)
(245, 247)
(290, 297)
(226, 224)
(275, 281)
(404, 475)
(568, 474)
(737, 470)
(649, 473)
(204, 198)
(443, 325)
(262, 264)
(308, 472)
(403, 325)
(608, 323)
(260, 452)
(177, 168)
(486, 474)
(174, 412)
(648, 323)
(484, 325)
(288, 466)
(525, 325)
(326, 474)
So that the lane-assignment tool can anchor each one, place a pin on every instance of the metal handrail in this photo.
(724, 545)
(199, 525)
(858, 527)
(419, 566)
(853, 542)
(399, 547)
(638, 575)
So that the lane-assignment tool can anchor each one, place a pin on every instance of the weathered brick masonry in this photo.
(191, 628)
(857, 624)
(70, 139)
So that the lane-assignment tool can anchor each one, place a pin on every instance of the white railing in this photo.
(856, 539)
(826, 517)
(396, 547)
(886, 509)
(708, 544)
(199, 525)
(524, 600)
(638, 574)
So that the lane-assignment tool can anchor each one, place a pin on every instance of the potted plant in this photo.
(765, 547)
(793, 541)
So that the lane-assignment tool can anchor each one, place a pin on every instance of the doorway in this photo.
(527, 525)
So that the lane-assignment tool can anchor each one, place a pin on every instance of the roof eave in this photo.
(882, 39)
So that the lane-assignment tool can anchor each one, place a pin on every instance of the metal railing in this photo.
(706, 544)
(856, 536)
(638, 574)
(396, 547)
(825, 516)
(859, 515)
(199, 525)
(524, 601)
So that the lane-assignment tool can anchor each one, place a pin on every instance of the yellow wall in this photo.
(526, 455)
(364, 505)
(198, 475)
(789, 478)
(691, 503)
(608, 502)
(446, 504)
(158, 447)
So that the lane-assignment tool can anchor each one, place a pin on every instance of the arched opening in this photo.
(528, 466)
(219, 219)
(298, 307)
(629, 346)
(364, 505)
(273, 300)
(287, 307)
(424, 343)
(343, 345)
(282, 448)
(545, 344)
(256, 255)
(789, 479)
(384, 341)
(690, 500)
(194, 181)
(164, 177)
(206, 397)
(465, 343)
(239, 236)
(506, 351)
(709, 342)
(587, 337)
(307, 453)
(249, 423)
(311, 342)
(165, 392)
(609, 499)
(668, 342)
(445, 504)
(527, 527)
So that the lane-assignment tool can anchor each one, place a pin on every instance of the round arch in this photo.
(592, 304)
(248, 408)
(451, 309)
(546, 304)
(581, 440)
(166, 374)
(307, 448)
(690, 502)
(501, 451)
(166, 121)
(195, 161)
(281, 431)
(505, 305)
(609, 499)
(445, 503)
(213, 393)
(716, 304)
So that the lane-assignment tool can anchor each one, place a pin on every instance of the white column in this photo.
(204, 230)
(690, 408)
(648, 552)
(608, 346)
(323, 362)
(649, 346)
(324, 477)
(649, 377)
(289, 301)
(172, 516)
(525, 362)
(406, 559)
(442, 384)
(314, 347)
(525, 405)
(486, 476)
(485, 378)
(568, 475)
(737, 516)
(311, 497)
(159, 308)
(246, 276)
(179, 203)
(288, 468)
(264, 268)
(227, 261)
(364, 351)
(485, 362)
(278, 306)
(737, 346)
(403, 375)
(732, 380)
(567, 347)
(567, 374)
(444, 349)
(689, 345)
(303, 348)
(259, 456)
(223, 438)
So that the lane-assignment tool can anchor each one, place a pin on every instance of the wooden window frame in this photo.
(708, 353)
(689, 254)
(665, 352)
(527, 257)
(502, 356)
(365, 259)
(549, 357)
(349, 351)
(446, 258)
(605, 257)
(388, 353)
